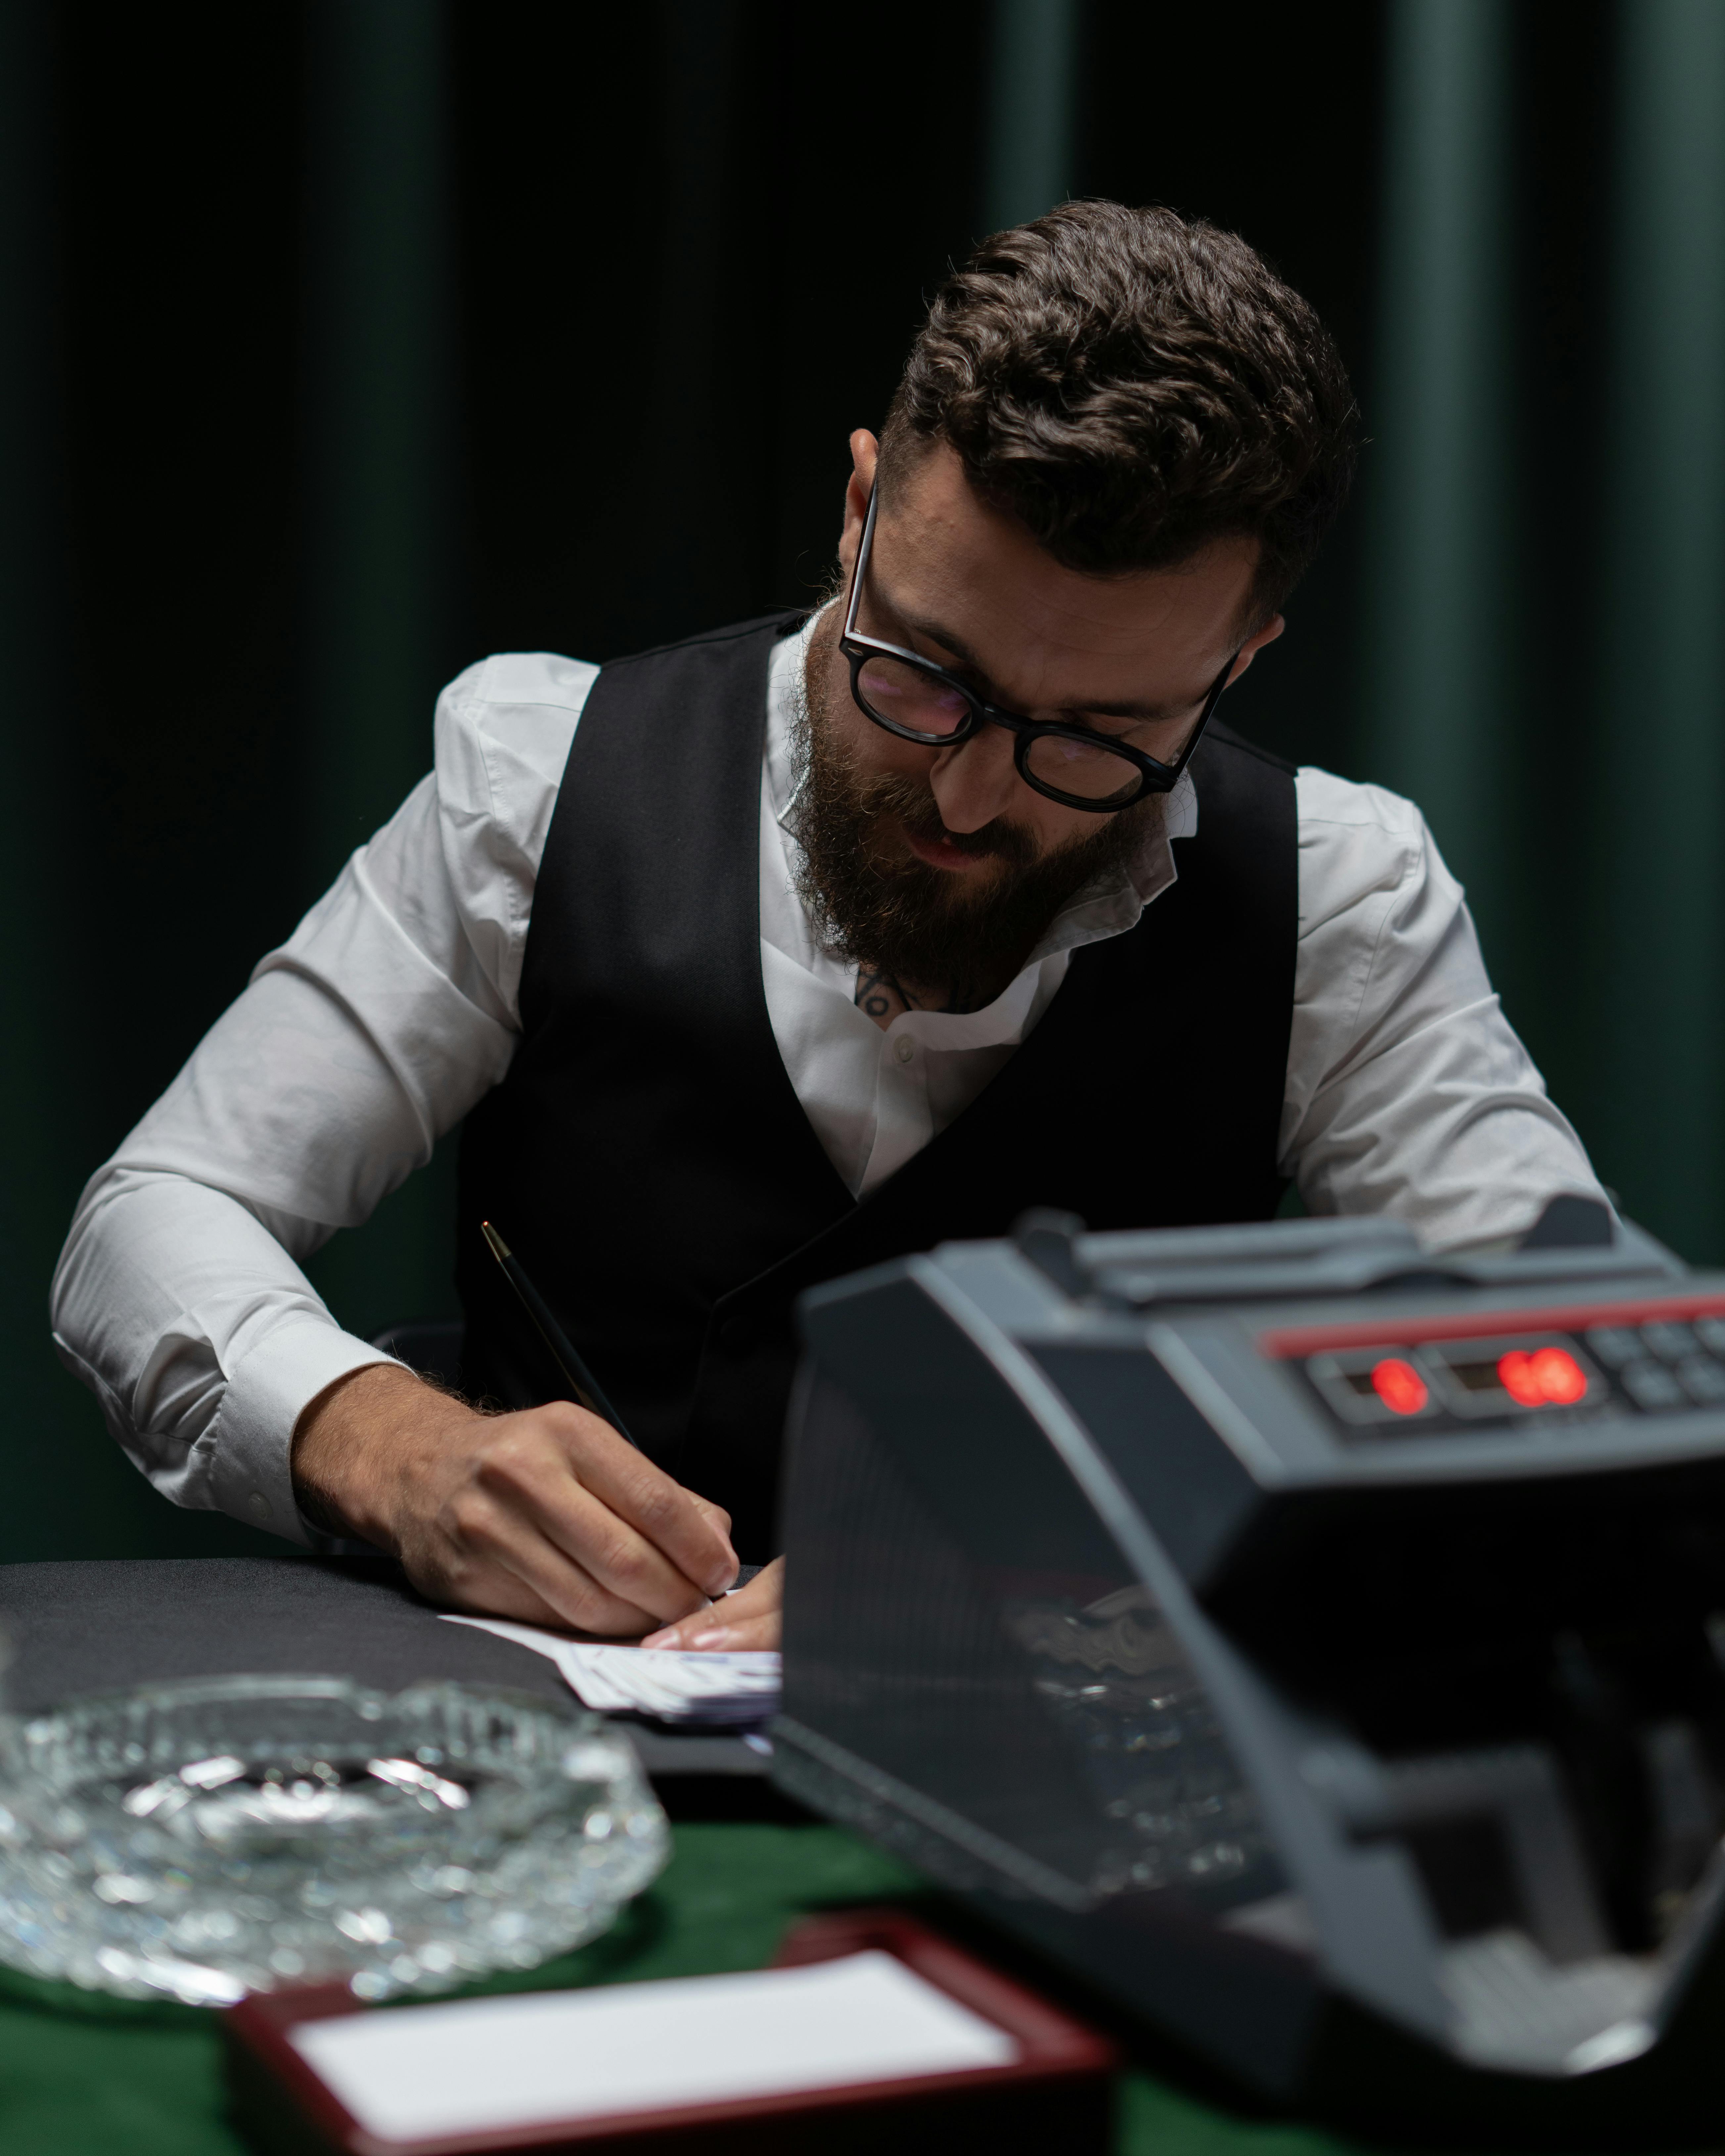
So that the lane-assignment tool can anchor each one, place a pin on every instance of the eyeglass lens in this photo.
(906, 699)
(1082, 768)
(909, 701)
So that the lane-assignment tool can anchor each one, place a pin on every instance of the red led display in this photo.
(1545, 1378)
(1399, 1386)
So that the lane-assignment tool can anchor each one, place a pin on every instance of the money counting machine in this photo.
(1316, 1644)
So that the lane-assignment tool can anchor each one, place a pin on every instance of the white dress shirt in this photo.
(394, 1008)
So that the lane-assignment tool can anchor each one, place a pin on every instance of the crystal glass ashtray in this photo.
(208, 1839)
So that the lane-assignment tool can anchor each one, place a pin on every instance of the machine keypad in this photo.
(1670, 1342)
(1652, 1385)
(1663, 1364)
(1615, 1345)
(1704, 1379)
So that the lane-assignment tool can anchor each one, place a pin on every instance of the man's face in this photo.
(957, 828)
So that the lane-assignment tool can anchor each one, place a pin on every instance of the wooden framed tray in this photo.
(870, 2032)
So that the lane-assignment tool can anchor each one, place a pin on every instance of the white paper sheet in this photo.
(711, 1692)
(484, 2065)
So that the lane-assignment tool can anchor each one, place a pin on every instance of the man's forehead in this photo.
(977, 580)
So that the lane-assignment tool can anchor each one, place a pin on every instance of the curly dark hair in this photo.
(1132, 385)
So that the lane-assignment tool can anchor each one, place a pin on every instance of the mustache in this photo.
(911, 804)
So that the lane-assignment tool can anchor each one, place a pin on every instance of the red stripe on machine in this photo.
(1292, 1342)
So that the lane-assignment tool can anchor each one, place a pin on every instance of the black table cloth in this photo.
(93, 1626)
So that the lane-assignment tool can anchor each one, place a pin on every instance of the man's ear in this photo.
(864, 450)
(1253, 645)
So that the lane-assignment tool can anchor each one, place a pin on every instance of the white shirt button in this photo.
(906, 1048)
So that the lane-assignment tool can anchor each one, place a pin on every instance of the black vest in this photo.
(647, 1156)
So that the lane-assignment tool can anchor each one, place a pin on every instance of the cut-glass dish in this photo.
(207, 1839)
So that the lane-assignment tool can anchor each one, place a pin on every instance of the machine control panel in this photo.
(1581, 1366)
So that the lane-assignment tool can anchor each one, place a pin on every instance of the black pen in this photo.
(580, 1380)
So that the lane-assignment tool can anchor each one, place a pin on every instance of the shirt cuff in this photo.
(251, 1438)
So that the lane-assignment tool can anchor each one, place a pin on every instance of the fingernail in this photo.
(722, 1577)
(721, 1637)
(667, 1637)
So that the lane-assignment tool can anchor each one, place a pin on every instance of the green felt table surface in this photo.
(82, 2075)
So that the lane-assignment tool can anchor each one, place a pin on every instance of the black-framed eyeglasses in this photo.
(919, 701)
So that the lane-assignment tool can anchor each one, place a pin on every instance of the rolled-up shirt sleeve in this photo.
(179, 1298)
(1408, 1092)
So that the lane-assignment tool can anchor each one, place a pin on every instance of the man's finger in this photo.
(580, 1602)
(491, 1533)
(564, 1540)
(496, 1572)
(749, 1619)
(495, 1590)
(487, 1590)
(715, 1513)
(757, 1633)
(670, 1517)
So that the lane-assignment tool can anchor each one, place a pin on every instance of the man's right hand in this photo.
(546, 1515)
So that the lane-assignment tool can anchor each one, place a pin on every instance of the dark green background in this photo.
(346, 342)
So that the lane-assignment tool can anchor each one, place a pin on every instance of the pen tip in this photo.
(500, 1249)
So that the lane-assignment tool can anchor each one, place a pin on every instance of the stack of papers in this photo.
(690, 1691)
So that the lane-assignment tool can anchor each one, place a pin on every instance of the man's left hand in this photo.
(749, 1618)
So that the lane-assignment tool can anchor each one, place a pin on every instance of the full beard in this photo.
(957, 938)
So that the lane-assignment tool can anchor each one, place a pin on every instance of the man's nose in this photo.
(976, 782)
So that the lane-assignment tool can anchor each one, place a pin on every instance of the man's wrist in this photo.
(346, 1456)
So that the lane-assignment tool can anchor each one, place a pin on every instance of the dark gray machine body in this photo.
(1314, 1644)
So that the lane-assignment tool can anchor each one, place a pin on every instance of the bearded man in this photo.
(804, 944)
